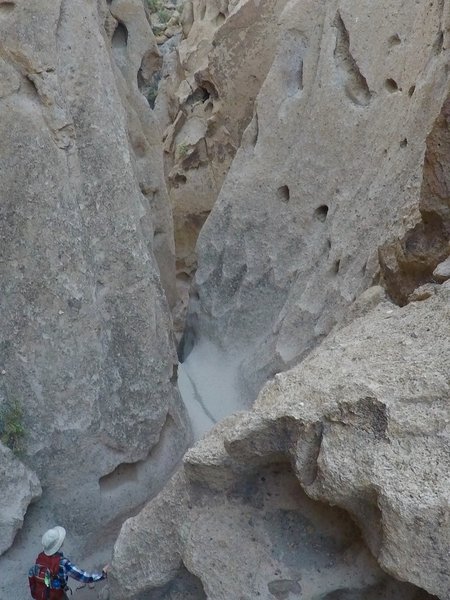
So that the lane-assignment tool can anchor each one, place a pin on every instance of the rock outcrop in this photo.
(362, 424)
(87, 262)
(205, 101)
(340, 181)
(20, 486)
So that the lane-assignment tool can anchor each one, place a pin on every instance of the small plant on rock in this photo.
(163, 15)
(12, 431)
(152, 94)
(182, 149)
(154, 5)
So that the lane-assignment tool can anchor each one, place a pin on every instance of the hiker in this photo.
(48, 577)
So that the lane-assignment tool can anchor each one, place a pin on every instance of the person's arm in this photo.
(80, 575)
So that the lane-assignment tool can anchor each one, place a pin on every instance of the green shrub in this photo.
(182, 149)
(12, 431)
(163, 15)
(152, 94)
(154, 5)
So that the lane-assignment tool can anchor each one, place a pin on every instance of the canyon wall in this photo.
(362, 424)
(342, 164)
(323, 257)
(321, 293)
(209, 82)
(87, 264)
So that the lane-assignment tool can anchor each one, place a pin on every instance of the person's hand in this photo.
(105, 570)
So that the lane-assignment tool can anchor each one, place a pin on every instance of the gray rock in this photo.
(20, 486)
(85, 331)
(362, 424)
(205, 102)
(442, 271)
(371, 419)
(329, 185)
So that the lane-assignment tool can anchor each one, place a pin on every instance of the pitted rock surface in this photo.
(86, 266)
(205, 100)
(363, 424)
(339, 182)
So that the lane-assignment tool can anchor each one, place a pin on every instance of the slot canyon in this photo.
(225, 297)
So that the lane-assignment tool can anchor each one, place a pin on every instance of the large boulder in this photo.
(340, 180)
(20, 486)
(361, 424)
(85, 332)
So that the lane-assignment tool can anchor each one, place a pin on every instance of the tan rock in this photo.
(364, 423)
(422, 293)
(222, 64)
(326, 195)
(20, 487)
(442, 271)
(86, 270)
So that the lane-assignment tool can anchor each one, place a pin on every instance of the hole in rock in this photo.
(391, 85)
(179, 179)
(201, 94)
(336, 266)
(353, 81)
(184, 586)
(403, 143)
(321, 212)
(6, 7)
(299, 547)
(220, 19)
(394, 40)
(411, 90)
(120, 37)
(207, 88)
(283, 193)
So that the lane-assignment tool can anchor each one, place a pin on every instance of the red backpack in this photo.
(43, 578)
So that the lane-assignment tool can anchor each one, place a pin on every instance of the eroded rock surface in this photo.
(363, 423)
(343, 167)
(205, 101)
(85, 334)
(19, 487)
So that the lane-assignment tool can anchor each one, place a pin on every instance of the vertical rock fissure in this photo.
(409, 262)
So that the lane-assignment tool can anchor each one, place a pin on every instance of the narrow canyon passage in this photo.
(286, 163)
(208, 386)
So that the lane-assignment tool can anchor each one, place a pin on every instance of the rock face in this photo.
(362, 424)
(205, 101)
(20, 487)
(340, 181)
(85, 333)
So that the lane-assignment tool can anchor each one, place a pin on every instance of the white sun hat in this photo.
(53, 539)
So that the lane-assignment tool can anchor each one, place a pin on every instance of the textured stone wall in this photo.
(337, 166)
(87, 262)
(340, 183)
(209, 82)
(361, 424)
